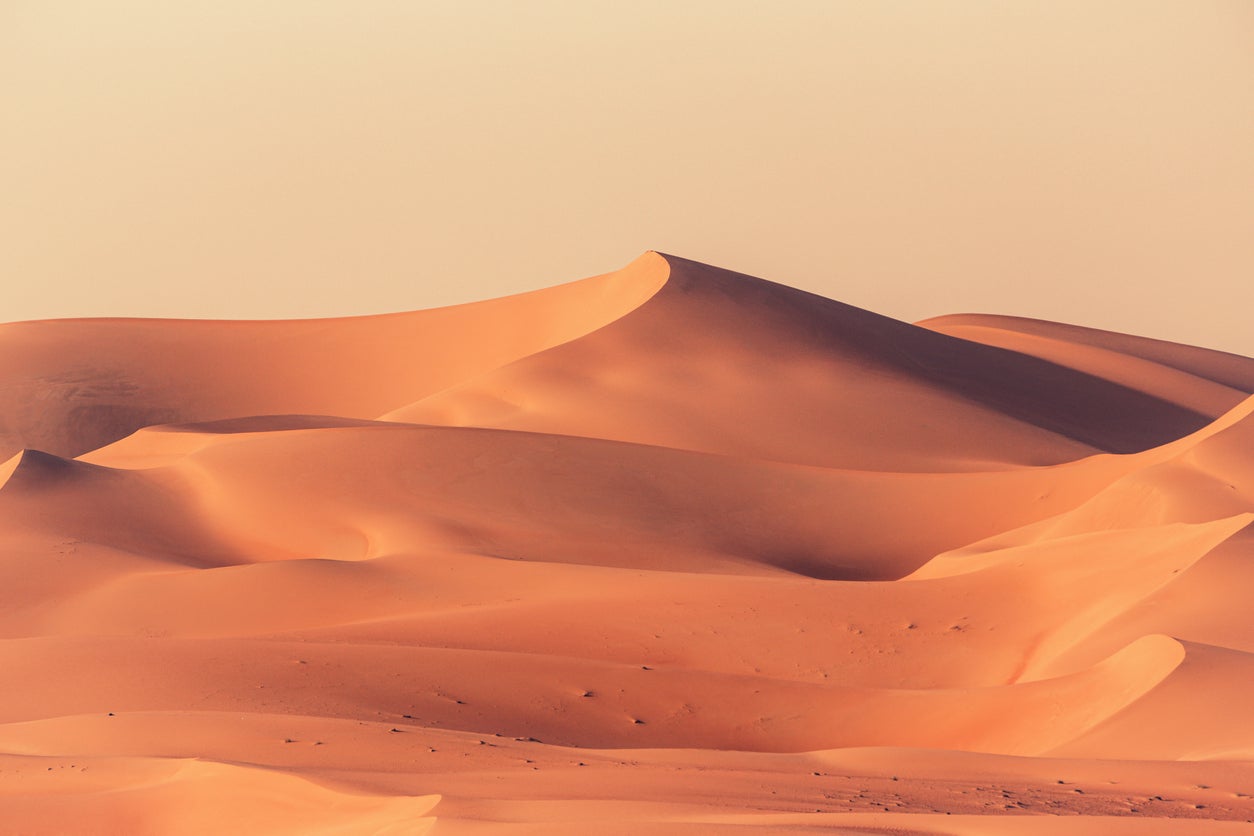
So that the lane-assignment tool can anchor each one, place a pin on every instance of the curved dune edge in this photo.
(1126, 469)
(1195, 378)
(1225, 369)
(35, 470)
(56, 794)
(1143, 561)
(72, 386)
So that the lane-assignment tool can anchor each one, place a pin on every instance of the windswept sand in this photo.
(669, 550)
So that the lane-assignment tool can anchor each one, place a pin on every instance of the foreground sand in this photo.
(667, 550)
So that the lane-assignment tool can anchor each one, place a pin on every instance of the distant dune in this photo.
(668, 550)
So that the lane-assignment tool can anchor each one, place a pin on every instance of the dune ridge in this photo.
(74, 385)
(671, 549)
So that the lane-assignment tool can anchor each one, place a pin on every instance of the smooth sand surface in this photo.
(669, 550)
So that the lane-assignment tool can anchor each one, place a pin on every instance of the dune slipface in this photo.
(669, 550)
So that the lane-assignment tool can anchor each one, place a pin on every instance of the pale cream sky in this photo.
(1090, 162)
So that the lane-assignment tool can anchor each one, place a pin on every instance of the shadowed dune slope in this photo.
(726, 363)
(670, 550)
(1069, 343)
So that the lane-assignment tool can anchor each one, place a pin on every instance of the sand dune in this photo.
(788, 376)
(671, 549)
(1198, 377)
(72, 385)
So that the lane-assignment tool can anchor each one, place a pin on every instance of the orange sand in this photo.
(669, 550)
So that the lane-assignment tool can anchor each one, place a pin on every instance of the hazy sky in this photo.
(1091, 162)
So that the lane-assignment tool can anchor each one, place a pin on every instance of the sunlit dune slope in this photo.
(73, 385)
(668, 550)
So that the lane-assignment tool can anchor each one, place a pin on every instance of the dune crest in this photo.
(74, 385)
(671, 549)
(763, 356)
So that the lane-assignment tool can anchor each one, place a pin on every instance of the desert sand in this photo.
(667, 550)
